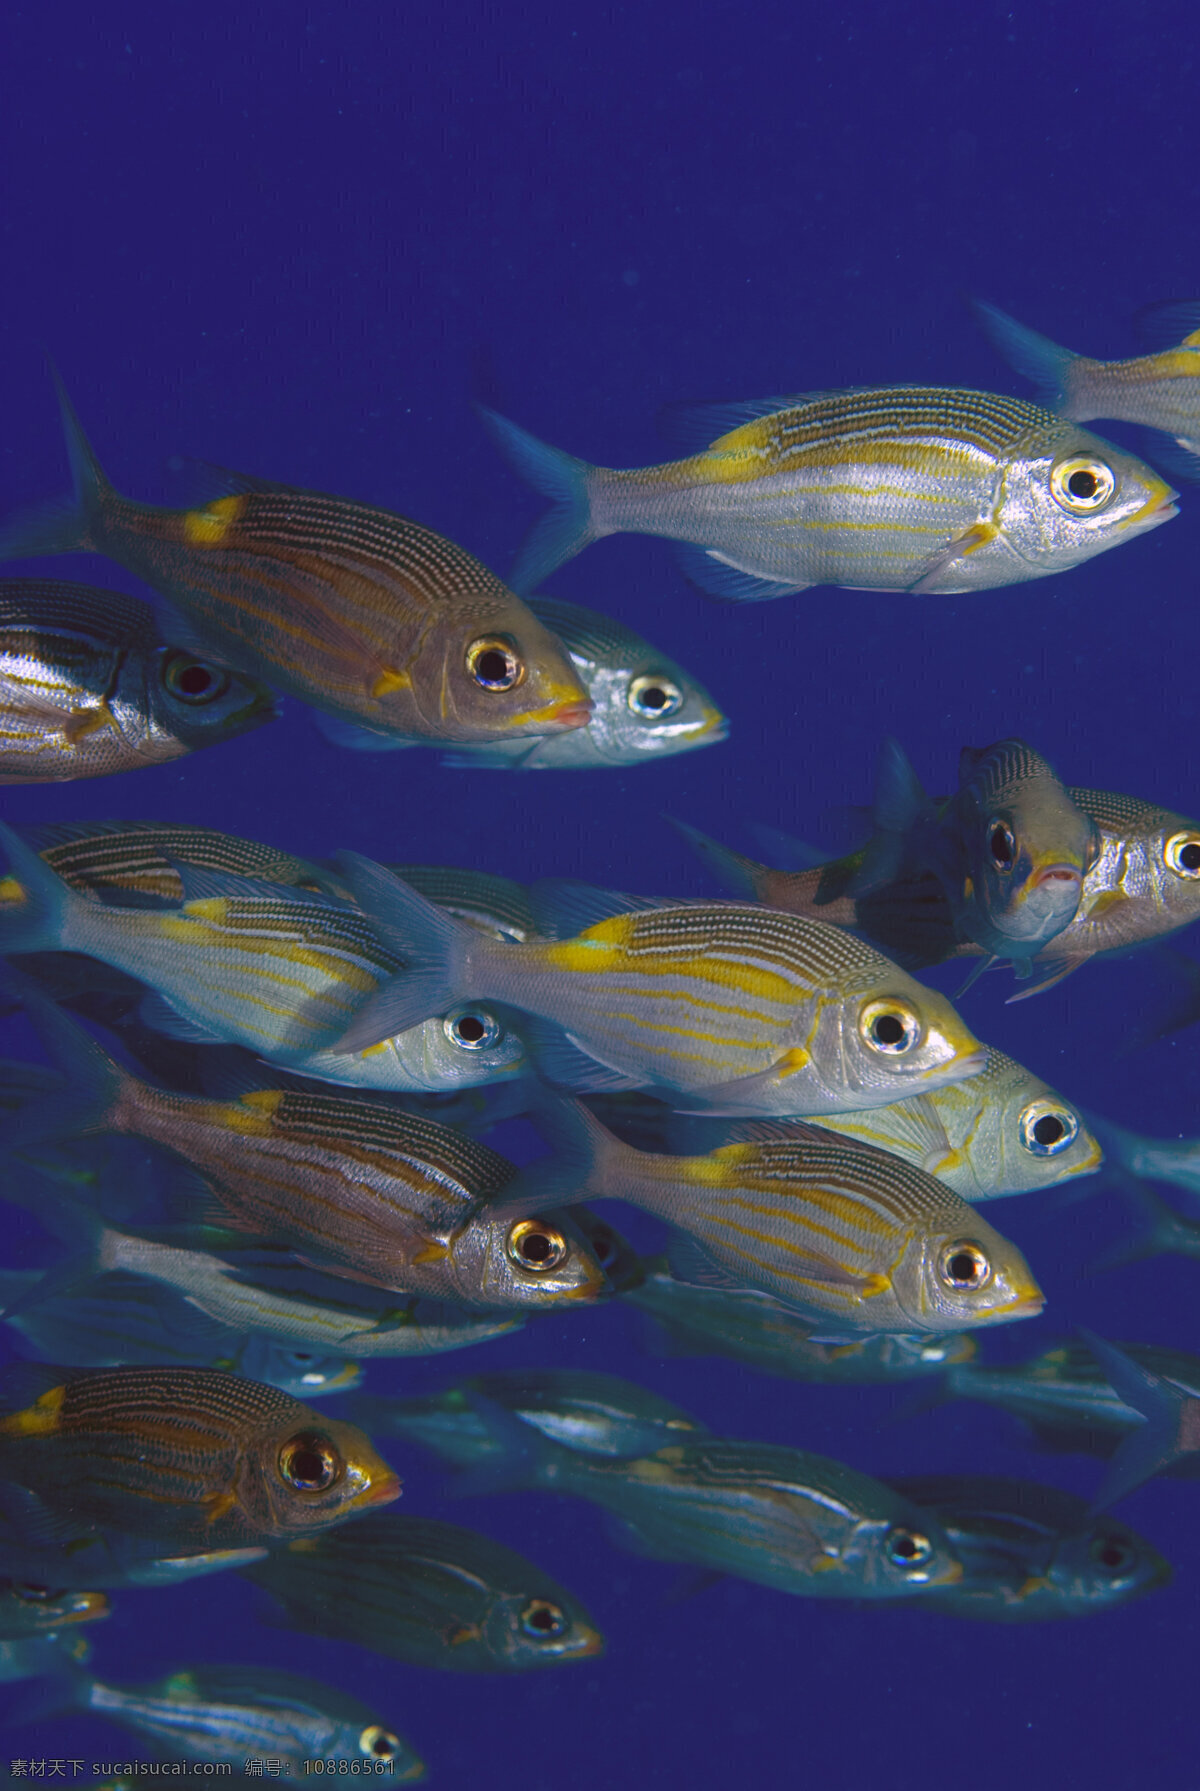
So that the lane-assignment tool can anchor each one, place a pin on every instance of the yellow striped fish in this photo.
(279, 969)
(858, 1238)
(742, 1009)
(890, 488)
(89, 687)
(365, 614)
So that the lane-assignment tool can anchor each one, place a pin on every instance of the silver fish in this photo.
(644, 706)
(892, 488)
(89, 687)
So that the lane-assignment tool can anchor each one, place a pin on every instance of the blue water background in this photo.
(298, 240)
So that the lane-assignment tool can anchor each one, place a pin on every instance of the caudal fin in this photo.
(432, 943)
(65, 525)
(1039, 359)
(91, 1083)
(1155, 1445)
(565, 530)
(745, 877)
(34, 900)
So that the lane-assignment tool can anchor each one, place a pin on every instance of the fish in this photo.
(596, 1414)
(89, 687)
(190, 1456)
(494, 905)
(1010, 847)
(120, 1319)
(215, 1714)
(109, 1558)
(892, 488)
(252, 1290)
(1160, 390)
(998, 1133)
(739, 1008)
(355, 1187)
(1168, 1433)
(644, 706)
(779, 1517)
(277, 969)
(1031, 1552)
(1143, 884)
(746, 1326)
(430, 1594)
(137, 863)
(1175, 1161)
(829, 1226)
(362, 613)
(28, 1611)
(1161, 1231)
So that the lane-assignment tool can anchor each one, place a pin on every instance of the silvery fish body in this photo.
(1031, 1553)
(34, 1657)
(219, 1714)
(89, 687)
(780, 1517)
(356, 610)
(1160, 390)
(279, 969)
(854, 1237)
(774, 1338)
(109, 1558)
(431, 1594)
(742, 1009)
(119, 1318)
(595, 1414)
(892, 488)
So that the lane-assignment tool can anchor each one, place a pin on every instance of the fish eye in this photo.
(1047, 1128)
(193, 680)
(1002, 846)
(1112, 1552)
(1182, 854)
(534, 1245)
(890, 1027)
(964, 1265)
(908, 1548)
(652, 696)
(310, 1463)
(379, 1742)
(470, 1029)
(542, 1619)
(493, 663)
(1082, 485)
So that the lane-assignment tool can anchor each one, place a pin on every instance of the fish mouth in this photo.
(1091, 1162)
(1159, 507)
(1054, 873)
(1024, 1304)
(587, 1643)
(712, 728)
(382, 1491)
(950, 1575)
(567, 712)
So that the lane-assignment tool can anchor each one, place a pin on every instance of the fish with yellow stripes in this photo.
(888, 488)
(88, 687)
(1002, 1132)
(352, 1185)
(739, 1009)
(362, 613)
(280, 969)
(194, 1456)
(859, 1238)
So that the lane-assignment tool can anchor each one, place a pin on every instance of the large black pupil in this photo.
(536, 1246)
(492, 666)
(1082, 485)
(1001, 846)
(543, 1619)
(889, 1030)
(1189, 857)
(471, 1029)
(308, 1466)
(962, 1267)
(382, 1746)
(1112, 1555)
(905, 1547)
(194, 680)
(653, 697)
(1049, 1130)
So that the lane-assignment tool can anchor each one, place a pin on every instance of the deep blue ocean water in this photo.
(299, 240)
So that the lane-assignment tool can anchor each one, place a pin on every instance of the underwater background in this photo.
(300, 241)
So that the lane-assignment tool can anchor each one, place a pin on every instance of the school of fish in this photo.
(258, 1142)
